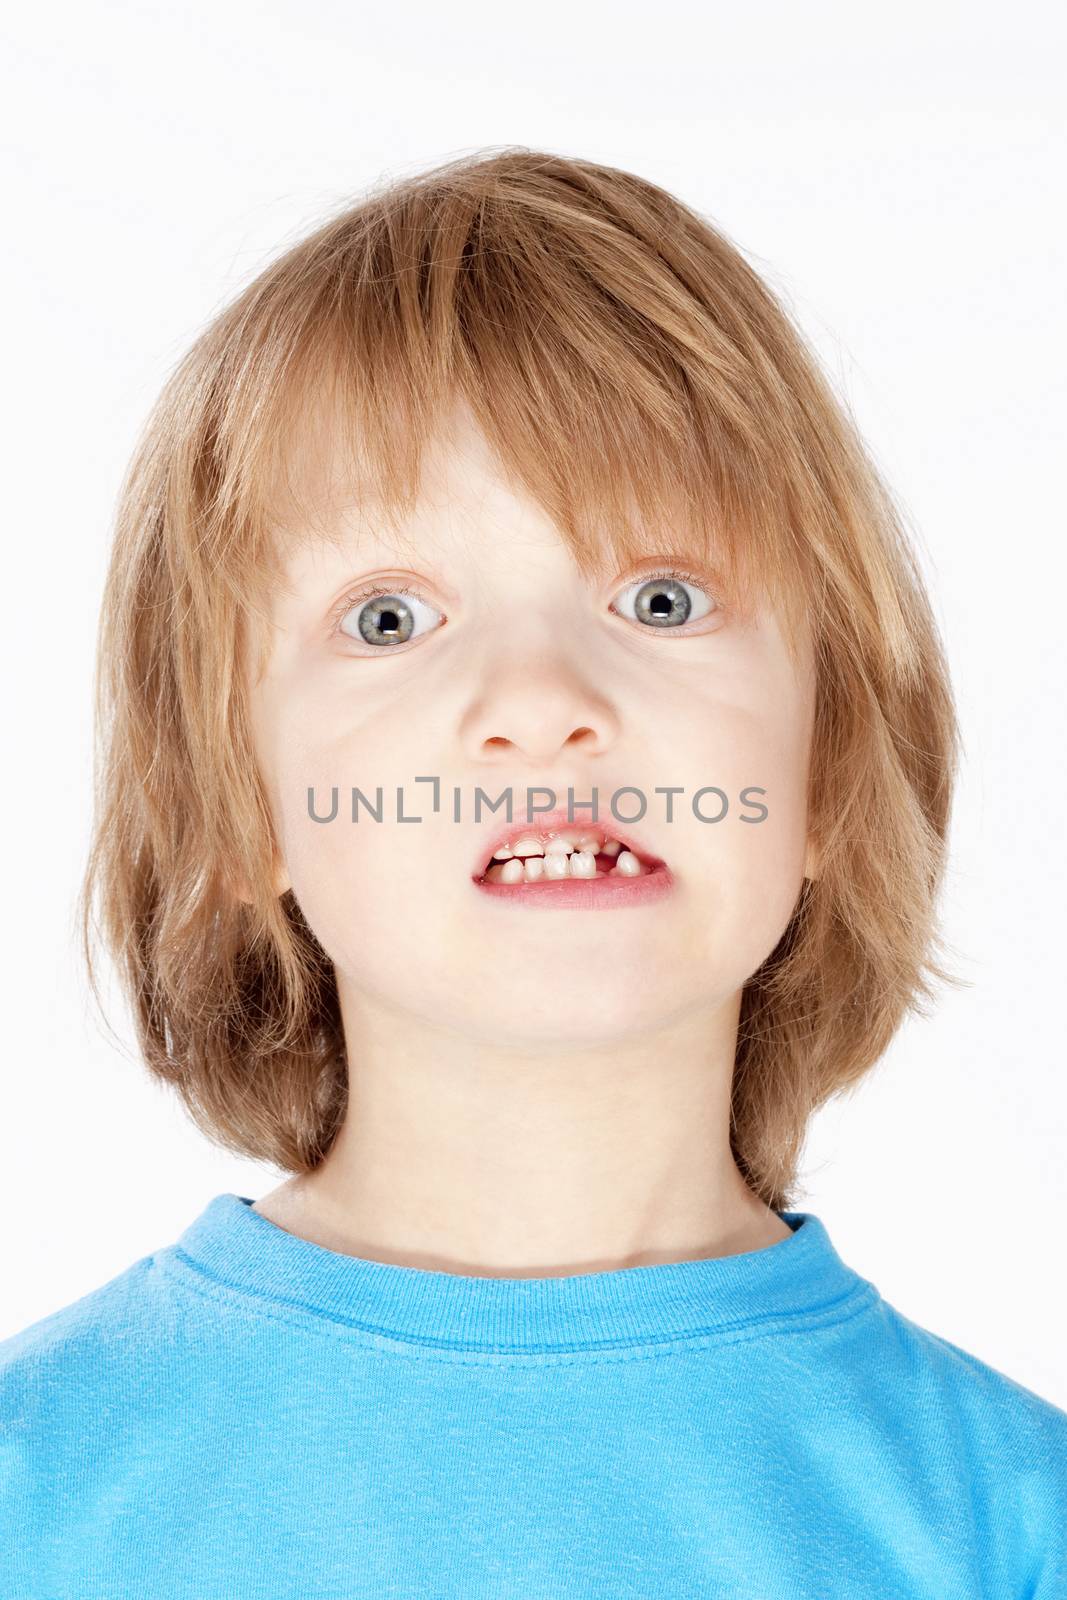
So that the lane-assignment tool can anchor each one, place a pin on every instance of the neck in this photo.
(489, 1157)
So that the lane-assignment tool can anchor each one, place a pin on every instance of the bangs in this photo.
(616, 376)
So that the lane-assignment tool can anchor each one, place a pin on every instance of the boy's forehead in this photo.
(327, 496)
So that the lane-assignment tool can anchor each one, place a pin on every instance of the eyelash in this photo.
(677, 574)
(670, 572)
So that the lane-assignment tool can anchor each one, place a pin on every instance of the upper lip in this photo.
(556, 822)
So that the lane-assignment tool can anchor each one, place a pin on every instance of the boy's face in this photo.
(532, 680)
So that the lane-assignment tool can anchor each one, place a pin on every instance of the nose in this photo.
(526, 711)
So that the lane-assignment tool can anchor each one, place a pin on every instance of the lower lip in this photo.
(603, 893)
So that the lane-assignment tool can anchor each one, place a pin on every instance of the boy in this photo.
(515, 481)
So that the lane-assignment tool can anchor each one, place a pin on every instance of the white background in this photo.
(896, 175)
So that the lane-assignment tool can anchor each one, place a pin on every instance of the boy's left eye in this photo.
(664, 600)
(385, 619)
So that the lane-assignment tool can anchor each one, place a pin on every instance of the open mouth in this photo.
(566, 855)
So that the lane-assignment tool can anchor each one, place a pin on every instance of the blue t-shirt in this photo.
(245, 1415)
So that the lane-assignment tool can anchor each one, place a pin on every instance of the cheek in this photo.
(362, 895)
(742, 878)
(318, 744)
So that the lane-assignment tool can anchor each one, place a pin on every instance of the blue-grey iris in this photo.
(387, 619)
(662, 602)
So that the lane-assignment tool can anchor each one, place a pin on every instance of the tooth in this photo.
(556, 865)
(526, 847)
(591, 841)
(512, 872)
(628, 865)
(611, 848)
(561, 843)
(503, 854)
(583, 864)
(534, 868)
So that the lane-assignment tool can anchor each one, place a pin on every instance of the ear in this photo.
(238, 885)
(812, 859)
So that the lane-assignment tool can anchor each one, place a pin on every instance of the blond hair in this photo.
(630, 369)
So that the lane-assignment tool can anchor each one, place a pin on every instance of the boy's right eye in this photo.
(385, 619)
